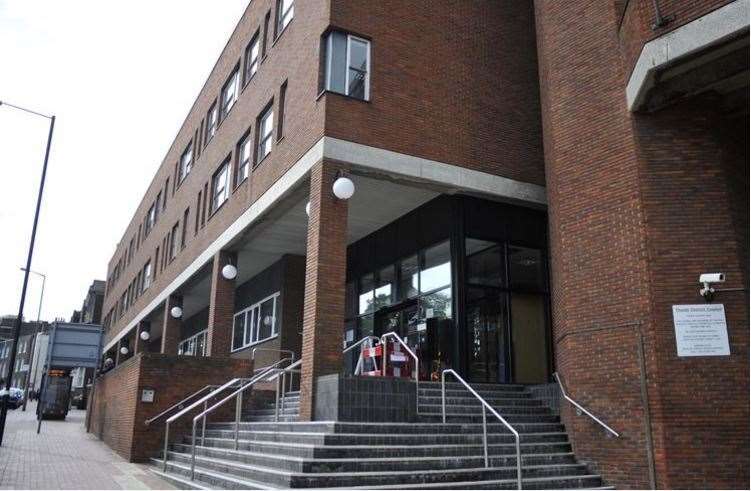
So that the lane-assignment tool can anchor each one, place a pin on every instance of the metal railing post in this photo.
(518, 462)
(284, 389)
(485, 434)
(166, 444)
(443, 395)
(238, 410)
(203, 429)
(276, 402)
(193, 453)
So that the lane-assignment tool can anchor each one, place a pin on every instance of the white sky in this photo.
(120, 76)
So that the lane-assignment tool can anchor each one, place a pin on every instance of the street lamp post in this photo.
(33, 339)
(19, 319)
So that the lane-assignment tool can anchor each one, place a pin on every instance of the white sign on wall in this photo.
(701, 330)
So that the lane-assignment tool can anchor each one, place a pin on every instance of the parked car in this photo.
(15, 398)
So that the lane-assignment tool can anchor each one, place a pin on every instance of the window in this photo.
(282, 98)
(166, 190)
(244, 152)
(147, 275)
(220, 186)
(285, 10)
(186, 162)
(265, 132)
(198, 209)
(230, 92)
(184, 234)
(156, 205)
(212, 119)
(347, 65)
(194, 345)
(150, 219)
(265, 33)
(252, 56)
(173, 241)
(255, 324)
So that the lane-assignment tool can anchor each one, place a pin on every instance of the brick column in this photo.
(221, 307)
(171, 326)
(325, 272)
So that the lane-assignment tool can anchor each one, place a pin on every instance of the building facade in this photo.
(26, 364)
(536, 185)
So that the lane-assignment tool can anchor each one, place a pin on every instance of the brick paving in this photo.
(64, 456)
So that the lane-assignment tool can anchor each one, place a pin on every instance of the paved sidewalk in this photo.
(64, 456)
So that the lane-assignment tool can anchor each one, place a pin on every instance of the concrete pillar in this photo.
(221, 307)
(325, 276)
(171, 326)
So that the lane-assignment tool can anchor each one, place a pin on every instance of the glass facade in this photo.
(462, 296)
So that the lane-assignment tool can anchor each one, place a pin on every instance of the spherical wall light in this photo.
(267, 321)
(145, 335)
(307, 209)
(176, 312)
(108, 362)
(124, 350)
(344, 188)
(229, 272)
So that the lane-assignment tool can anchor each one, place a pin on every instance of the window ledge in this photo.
(257, 164)
(239, 184)
(327, 91)
(246, 346)
(281, 33)
(217, 209)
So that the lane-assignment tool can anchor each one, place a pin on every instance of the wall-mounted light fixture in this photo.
(176, 312)
(229, 272)
(145, 335)
(343, 187)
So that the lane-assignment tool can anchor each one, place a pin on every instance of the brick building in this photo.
(536, 185)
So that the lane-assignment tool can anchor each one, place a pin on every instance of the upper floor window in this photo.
(147, 275)
(244, 152)
(230, 92)
(186, 162)
(212, 120)
(173, 241)
(220, 186)
(347, 65)
(256, 323)
(150, 218)
(252, 55)
(285, 10)
(265, 132)
(194, 345)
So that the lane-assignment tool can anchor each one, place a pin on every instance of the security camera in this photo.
(706, 280)
(712, 278)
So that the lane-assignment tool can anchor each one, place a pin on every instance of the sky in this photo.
(120, 78)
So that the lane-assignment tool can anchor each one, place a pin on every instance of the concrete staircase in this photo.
(427, 454)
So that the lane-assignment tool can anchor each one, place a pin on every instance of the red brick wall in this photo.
(639, 206)
(118, 416)
(446, 84)
(635, 28)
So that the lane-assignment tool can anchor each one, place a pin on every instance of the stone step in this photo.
(271, 411)
(587, 481)
(470, 417)
(471, 400)
(478, 387)
(277, 477)
(460, 409)
(364, 439)
(393, 462)
(307, 450)
(291, 417)
(398, 428)
(205, 478)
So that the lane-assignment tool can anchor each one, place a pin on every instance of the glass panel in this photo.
(350, 300)
(528, 326)
(365, 325)
(238, 331)
(484, 262)
(266, 319)
(250, 324)
(437, 305)
(408, 278)
(200, 344)
(437, 269)
(485, 326)
(358, 54)
(366, 303)
(385, 287)
(525, 268)
(356, 86)
(337, 60)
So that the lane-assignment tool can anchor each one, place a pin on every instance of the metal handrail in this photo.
(203, 400)
(290, 352)
(292, 369)
(394, 335)
(179, 405)
(581, 408)
(485, 406)
(263, 376)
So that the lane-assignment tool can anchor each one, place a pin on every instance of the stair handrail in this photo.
(203, 400)
(292, 369)
(180, 404)
(485, 406)
(394, 335)
(237, 394)
(581, 408)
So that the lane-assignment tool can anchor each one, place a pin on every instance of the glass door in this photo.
(486, 321)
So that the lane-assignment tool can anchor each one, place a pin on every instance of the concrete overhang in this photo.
(708, 53)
